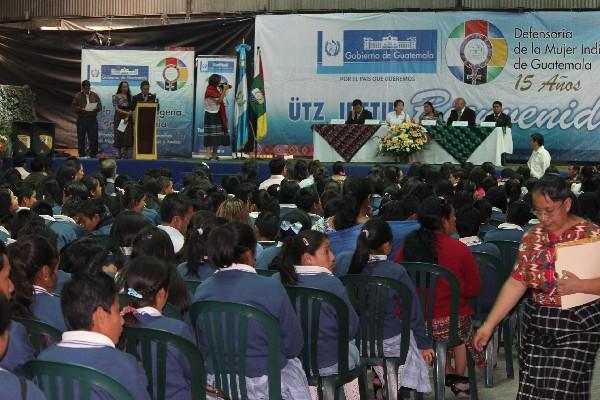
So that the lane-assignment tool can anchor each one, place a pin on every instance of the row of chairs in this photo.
(368, 295)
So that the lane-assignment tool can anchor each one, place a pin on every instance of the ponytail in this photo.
(356, 191)
(374, 234)
(291, 254)
(226, 244)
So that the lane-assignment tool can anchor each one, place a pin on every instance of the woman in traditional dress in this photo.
(215, 117)
(123, 121)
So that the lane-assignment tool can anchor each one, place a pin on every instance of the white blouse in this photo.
(394, 119)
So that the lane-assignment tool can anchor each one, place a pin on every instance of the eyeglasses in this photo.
(546, 213)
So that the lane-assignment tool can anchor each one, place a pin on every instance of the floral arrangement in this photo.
(403, 139)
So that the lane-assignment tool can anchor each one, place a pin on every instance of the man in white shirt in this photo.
(540, 158)
(176, 212)
(278, 172)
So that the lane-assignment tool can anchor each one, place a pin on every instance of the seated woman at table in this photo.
(397, 116)
(429, 113)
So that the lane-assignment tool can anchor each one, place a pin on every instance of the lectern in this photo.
(144, 135)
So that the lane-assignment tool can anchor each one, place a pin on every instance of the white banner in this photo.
(170, 73)
(206, 66)
(543, 66)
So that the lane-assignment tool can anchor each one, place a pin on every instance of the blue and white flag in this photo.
(241, 99)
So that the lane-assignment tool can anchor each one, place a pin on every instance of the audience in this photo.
(278, 172)
(176, 212)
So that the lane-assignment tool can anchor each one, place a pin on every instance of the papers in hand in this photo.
(579, 257)
(122, 126)
(91, 106)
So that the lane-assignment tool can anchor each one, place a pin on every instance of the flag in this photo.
(258, 100)
(241, 99)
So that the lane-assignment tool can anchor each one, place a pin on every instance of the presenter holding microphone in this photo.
(215, 118)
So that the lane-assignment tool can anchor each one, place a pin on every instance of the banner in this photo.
(170, 73)
(205, 67)
(542, 66)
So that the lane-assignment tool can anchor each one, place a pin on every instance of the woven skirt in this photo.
(558, 352)
(213, 131)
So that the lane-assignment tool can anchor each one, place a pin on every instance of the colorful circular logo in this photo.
(476, 52)
(174, 74)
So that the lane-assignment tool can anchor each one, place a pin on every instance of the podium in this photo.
(144, 135)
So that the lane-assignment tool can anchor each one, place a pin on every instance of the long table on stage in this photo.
(360, 144)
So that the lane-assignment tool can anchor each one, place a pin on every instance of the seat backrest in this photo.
(490, 271)
(308, 303)
(150, 345)
(41, 335)
(192, 285)
(508, 251)
(225, 332)
(370, 296)
(426, 277)
(62, 381)
(266, 272)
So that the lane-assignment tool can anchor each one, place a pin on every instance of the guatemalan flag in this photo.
(241, 99)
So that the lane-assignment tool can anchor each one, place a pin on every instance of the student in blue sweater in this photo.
(147, 286)
(19, 349)
(196, 267)
(306, 260)
(12, 386)
(373, 246)
(232, 249)
(34, 271)
(91, 308)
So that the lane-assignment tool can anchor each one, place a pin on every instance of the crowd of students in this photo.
(75, 240)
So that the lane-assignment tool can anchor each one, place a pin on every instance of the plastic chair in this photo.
(151, 345)
(508, 251)
(57, 380)
(192, 285)
(41, 335)
(369, 296)
(266, 272)
(308, 303)
(225, 329)
(426, 277)
(169, 310)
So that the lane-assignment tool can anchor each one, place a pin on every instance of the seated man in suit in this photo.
(358, 114)
(498, 116)
(461, 112)
(144, 96)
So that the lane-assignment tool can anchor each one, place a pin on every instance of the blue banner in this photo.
(171, 77)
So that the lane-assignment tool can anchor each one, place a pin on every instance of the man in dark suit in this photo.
(144, 96)
(500, 118)
(461, 113)
(358, 114)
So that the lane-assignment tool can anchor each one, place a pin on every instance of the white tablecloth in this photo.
(491, 149)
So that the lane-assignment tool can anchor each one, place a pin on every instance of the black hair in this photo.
(420, 244)
(306, 198)
(391, 173)
(468, 221)
(462, 198)
(288, 189)
(484, 208)
(49, 189)
(19, 160)
(291, 254)
(294, 217)
(512, 190)
(152, 241)
(489, 167)
(267, 225)
(76, 189)
(4, 314)
(244, 190)
(392, 211)
(264, 201)
(82, 296)
(27, 257)
(377, 183)
(72, 207)
(37, 164)
(553, 187)
(128, 90)
(519, 213)
(337, 168)
(90, 182)
(85, 83)
(231, 182)
(356, 191)
(497, 198)
(145, 275)
(374, 234)
(144, 83)
(122, 180)
(430, 104)
(444, 188)
(396, 102)
(249, 170)
(127, 224)
(538, 138)
(488, 183)
(174, 204)
(91, 207)
(42, 207)
(524, 171)
(76, 257)
(476, 175)
(507, 173)
(12, 177)
(21, 219)
(196, 248)
(214, 80)
(276, 166)
(301, 170)
(356, 102)
(134, 193)
(23, 190)
(497, 102)
(5, 202)
(228, 243)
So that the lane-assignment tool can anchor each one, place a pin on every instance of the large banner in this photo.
(171, 77)
(543, 66)
(225, 66)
